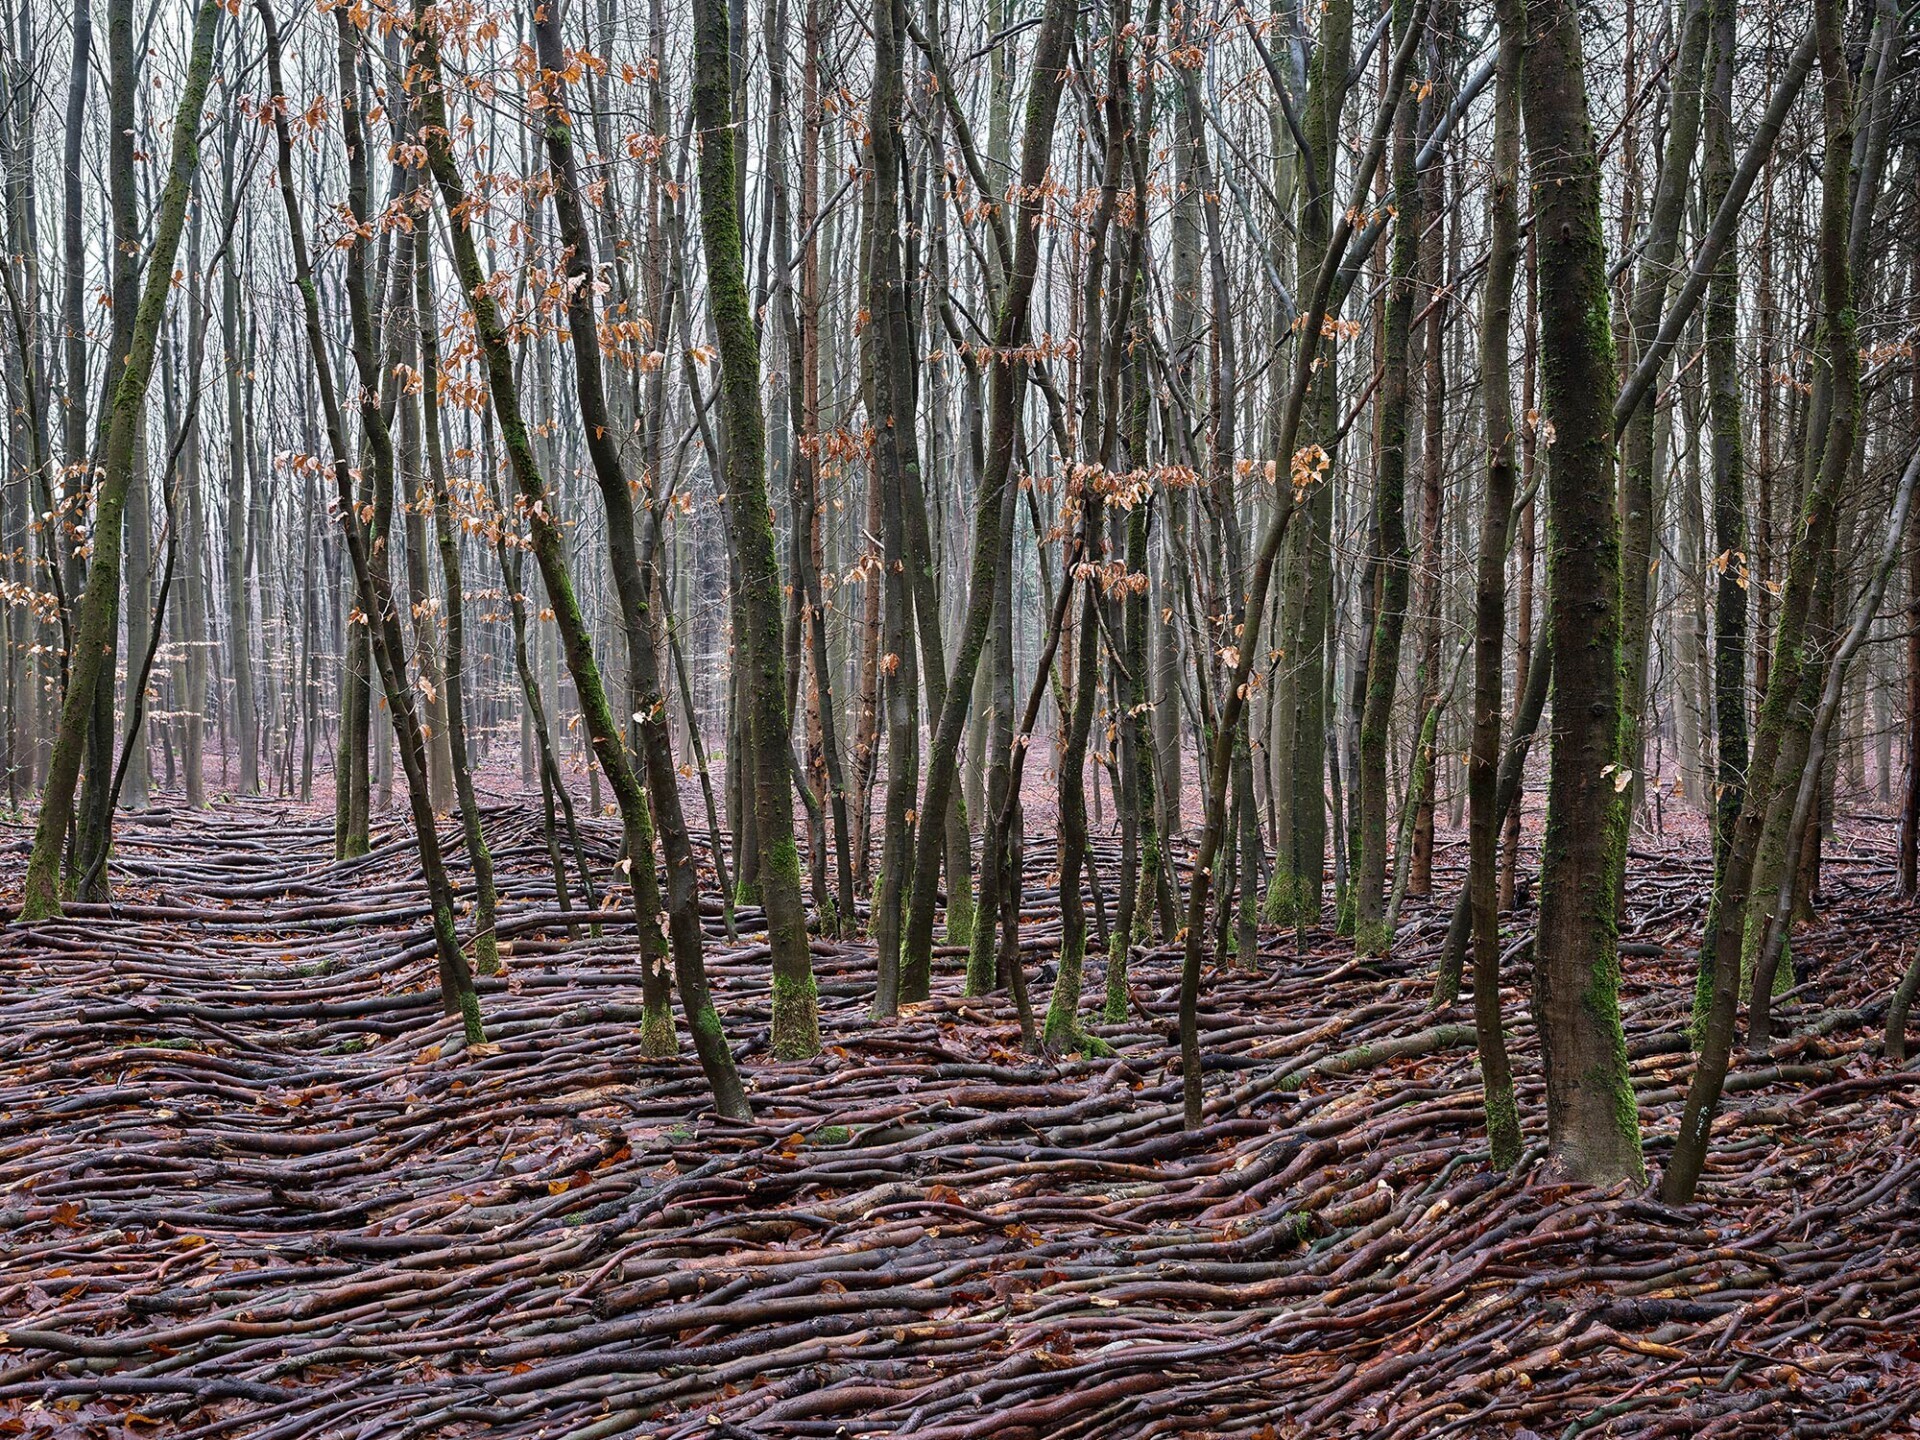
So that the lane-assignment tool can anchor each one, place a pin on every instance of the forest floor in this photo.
(250, 1186)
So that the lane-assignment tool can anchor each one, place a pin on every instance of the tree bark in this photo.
(95, 616)
(1593, 1127)
(1837, 354)
(1006, 392)
(796, 1030)
(1490, 594)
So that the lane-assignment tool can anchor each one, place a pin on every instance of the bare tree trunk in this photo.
(1371, 934)
(456, 980)
(1007, 386)
(1593, 1131)
(246, 720)
(1490, 593)
(1523, 606)
(635, 584)
(897, 468)
(1837, 355)
(1729, 480)
(796, 1031)
(96, 613)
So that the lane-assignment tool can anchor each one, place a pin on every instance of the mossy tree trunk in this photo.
(1593, 1127)
(1806, 754)
(94, 826)
(635, 584)
(99, 604)
(604, 732)
(759, 647)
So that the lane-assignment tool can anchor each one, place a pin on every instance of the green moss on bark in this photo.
(1114, 1012)
(796, 1016)
(960, 916)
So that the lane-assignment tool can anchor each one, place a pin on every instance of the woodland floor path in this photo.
(248, 1187)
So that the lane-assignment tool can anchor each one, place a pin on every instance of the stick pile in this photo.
(250, 1185)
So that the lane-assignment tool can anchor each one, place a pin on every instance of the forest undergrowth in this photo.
(253, 1184)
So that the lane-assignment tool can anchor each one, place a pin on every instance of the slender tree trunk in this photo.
(1299, 874)
(1837, 354)
(1728, 476)
(246, 720)
(139, 548)
(635, 585)
(796, 1032)
(1909, 856)
(96, 613)
(446, 528)
(389, 650)
(1233, 696)
(1638, 459)
(191, 628)
(1371, 935)
(1490, 592)
(1433, 405)
(1523, 605)
(1006, 392)
(890, 386)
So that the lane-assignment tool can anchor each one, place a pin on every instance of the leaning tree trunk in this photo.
(376, 597)
(635, 584)
(95, 615)
(1007, 385)
(1233, 698)
(1837, 352)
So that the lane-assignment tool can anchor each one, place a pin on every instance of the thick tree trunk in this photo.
(1593, 1128)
